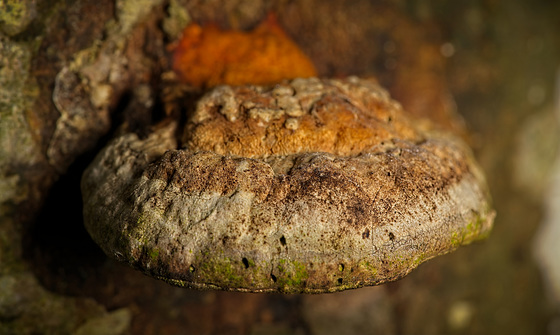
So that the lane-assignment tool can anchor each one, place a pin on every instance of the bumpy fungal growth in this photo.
(307, 186)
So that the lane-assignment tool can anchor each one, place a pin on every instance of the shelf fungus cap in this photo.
(307, 186)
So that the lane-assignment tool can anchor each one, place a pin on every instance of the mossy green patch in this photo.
(144, 224)
(472, 232)
(15, 15)
(223, 272)
(419, 260)
(251, 263)
(456, 240)
(154, 254)
(365, 265)
(292, 275)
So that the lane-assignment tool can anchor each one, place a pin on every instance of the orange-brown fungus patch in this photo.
(208, 56)
(345, 117)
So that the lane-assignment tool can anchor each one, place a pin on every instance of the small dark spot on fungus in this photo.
(273, 277)
(365, 234)
(192, 269)
(245, 262)
(341, 267)
(391, 236)
(339, 281)
(283, 240)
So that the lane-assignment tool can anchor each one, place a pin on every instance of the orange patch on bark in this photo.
(208, 56)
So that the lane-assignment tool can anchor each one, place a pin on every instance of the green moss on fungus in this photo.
(224, 272)
(474, 231)
(154, 254)
(366, 265)
(292, 275)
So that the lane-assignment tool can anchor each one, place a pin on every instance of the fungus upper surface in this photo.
(306, 186)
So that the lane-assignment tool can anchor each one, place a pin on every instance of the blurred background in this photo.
(72, 71)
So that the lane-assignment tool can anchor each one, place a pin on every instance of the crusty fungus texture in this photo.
(311, 185)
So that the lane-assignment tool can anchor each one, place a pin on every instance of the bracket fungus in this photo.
(311, 185)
